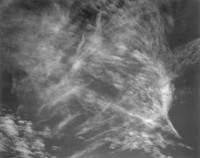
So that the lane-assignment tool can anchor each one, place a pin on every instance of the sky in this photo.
(184, 113)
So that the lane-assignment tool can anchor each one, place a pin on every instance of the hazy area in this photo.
(99, 79)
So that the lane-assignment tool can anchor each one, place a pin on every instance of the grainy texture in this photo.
(102, 70)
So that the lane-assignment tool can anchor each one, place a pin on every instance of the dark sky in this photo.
(185, 113)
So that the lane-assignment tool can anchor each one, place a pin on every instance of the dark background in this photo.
(185, 111)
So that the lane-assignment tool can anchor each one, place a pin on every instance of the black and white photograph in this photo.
(99, 78)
